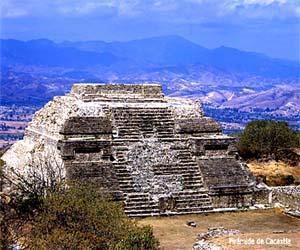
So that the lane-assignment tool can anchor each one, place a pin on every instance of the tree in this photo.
(265, 138)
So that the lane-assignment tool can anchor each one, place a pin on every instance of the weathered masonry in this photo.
(159, 155)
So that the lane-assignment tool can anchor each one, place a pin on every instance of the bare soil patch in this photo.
(173, 232)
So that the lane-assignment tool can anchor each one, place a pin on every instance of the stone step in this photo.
(149, 130)
(143, 121)
(120, 164)
(121, 170)
(126, 190)
(141, 205)
(190, 192)
(137, 118)
(191, 178)
(200, 204)
(184, 169)
(157, 212)
(194, 198)
(132, 133)
(196, 182)
(124, 177)
(142, 112)
(118, 144)
(120, 141)
(185, 174)
(193, 187)
(126, 184)
(139, 110)
(187, 160)
(193, 164)
(194, 209)
(120, 167)
(125, 181)
(142, 213)
(137, 195)
(128, 136)
(140, 200)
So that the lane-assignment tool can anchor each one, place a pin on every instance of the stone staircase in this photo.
(185, 167)
(139, 123)
(120, 166)
(183, 202)
(141, 204)
(192, 201)
(132, 125)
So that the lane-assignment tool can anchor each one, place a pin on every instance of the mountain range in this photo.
(32, 72)
(169, 52)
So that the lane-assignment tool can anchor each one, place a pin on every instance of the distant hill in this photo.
(282, 99)
(33, 71)
(166, 50)
(144, 54)
(46, 53)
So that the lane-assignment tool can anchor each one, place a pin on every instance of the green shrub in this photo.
(68, 216)
(264, 138)
(138, 238)
(83, 218)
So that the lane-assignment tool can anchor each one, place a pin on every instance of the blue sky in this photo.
(268, 26)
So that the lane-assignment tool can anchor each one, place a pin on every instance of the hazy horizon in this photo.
(271, 27)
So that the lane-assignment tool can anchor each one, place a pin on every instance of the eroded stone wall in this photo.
(288, 196)
(158, 155)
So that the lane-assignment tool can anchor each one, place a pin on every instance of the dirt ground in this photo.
(264, 229)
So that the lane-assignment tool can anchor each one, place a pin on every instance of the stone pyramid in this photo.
(159, 155)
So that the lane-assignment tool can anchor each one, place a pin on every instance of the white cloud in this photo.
(18, 8)
(188, 10)
(83, 7)
(260, 9)
(13, 13)
(9, 10)
(264, 2)
(298, 11)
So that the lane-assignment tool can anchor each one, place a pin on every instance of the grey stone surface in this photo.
(203, 238)
(287, 196)
(159, 155)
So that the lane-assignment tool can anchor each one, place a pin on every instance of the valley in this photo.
(234, 86)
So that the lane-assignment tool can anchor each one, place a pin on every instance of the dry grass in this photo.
(274, 172)
(174, 234)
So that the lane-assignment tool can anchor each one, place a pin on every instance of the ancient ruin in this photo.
(159, 155)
